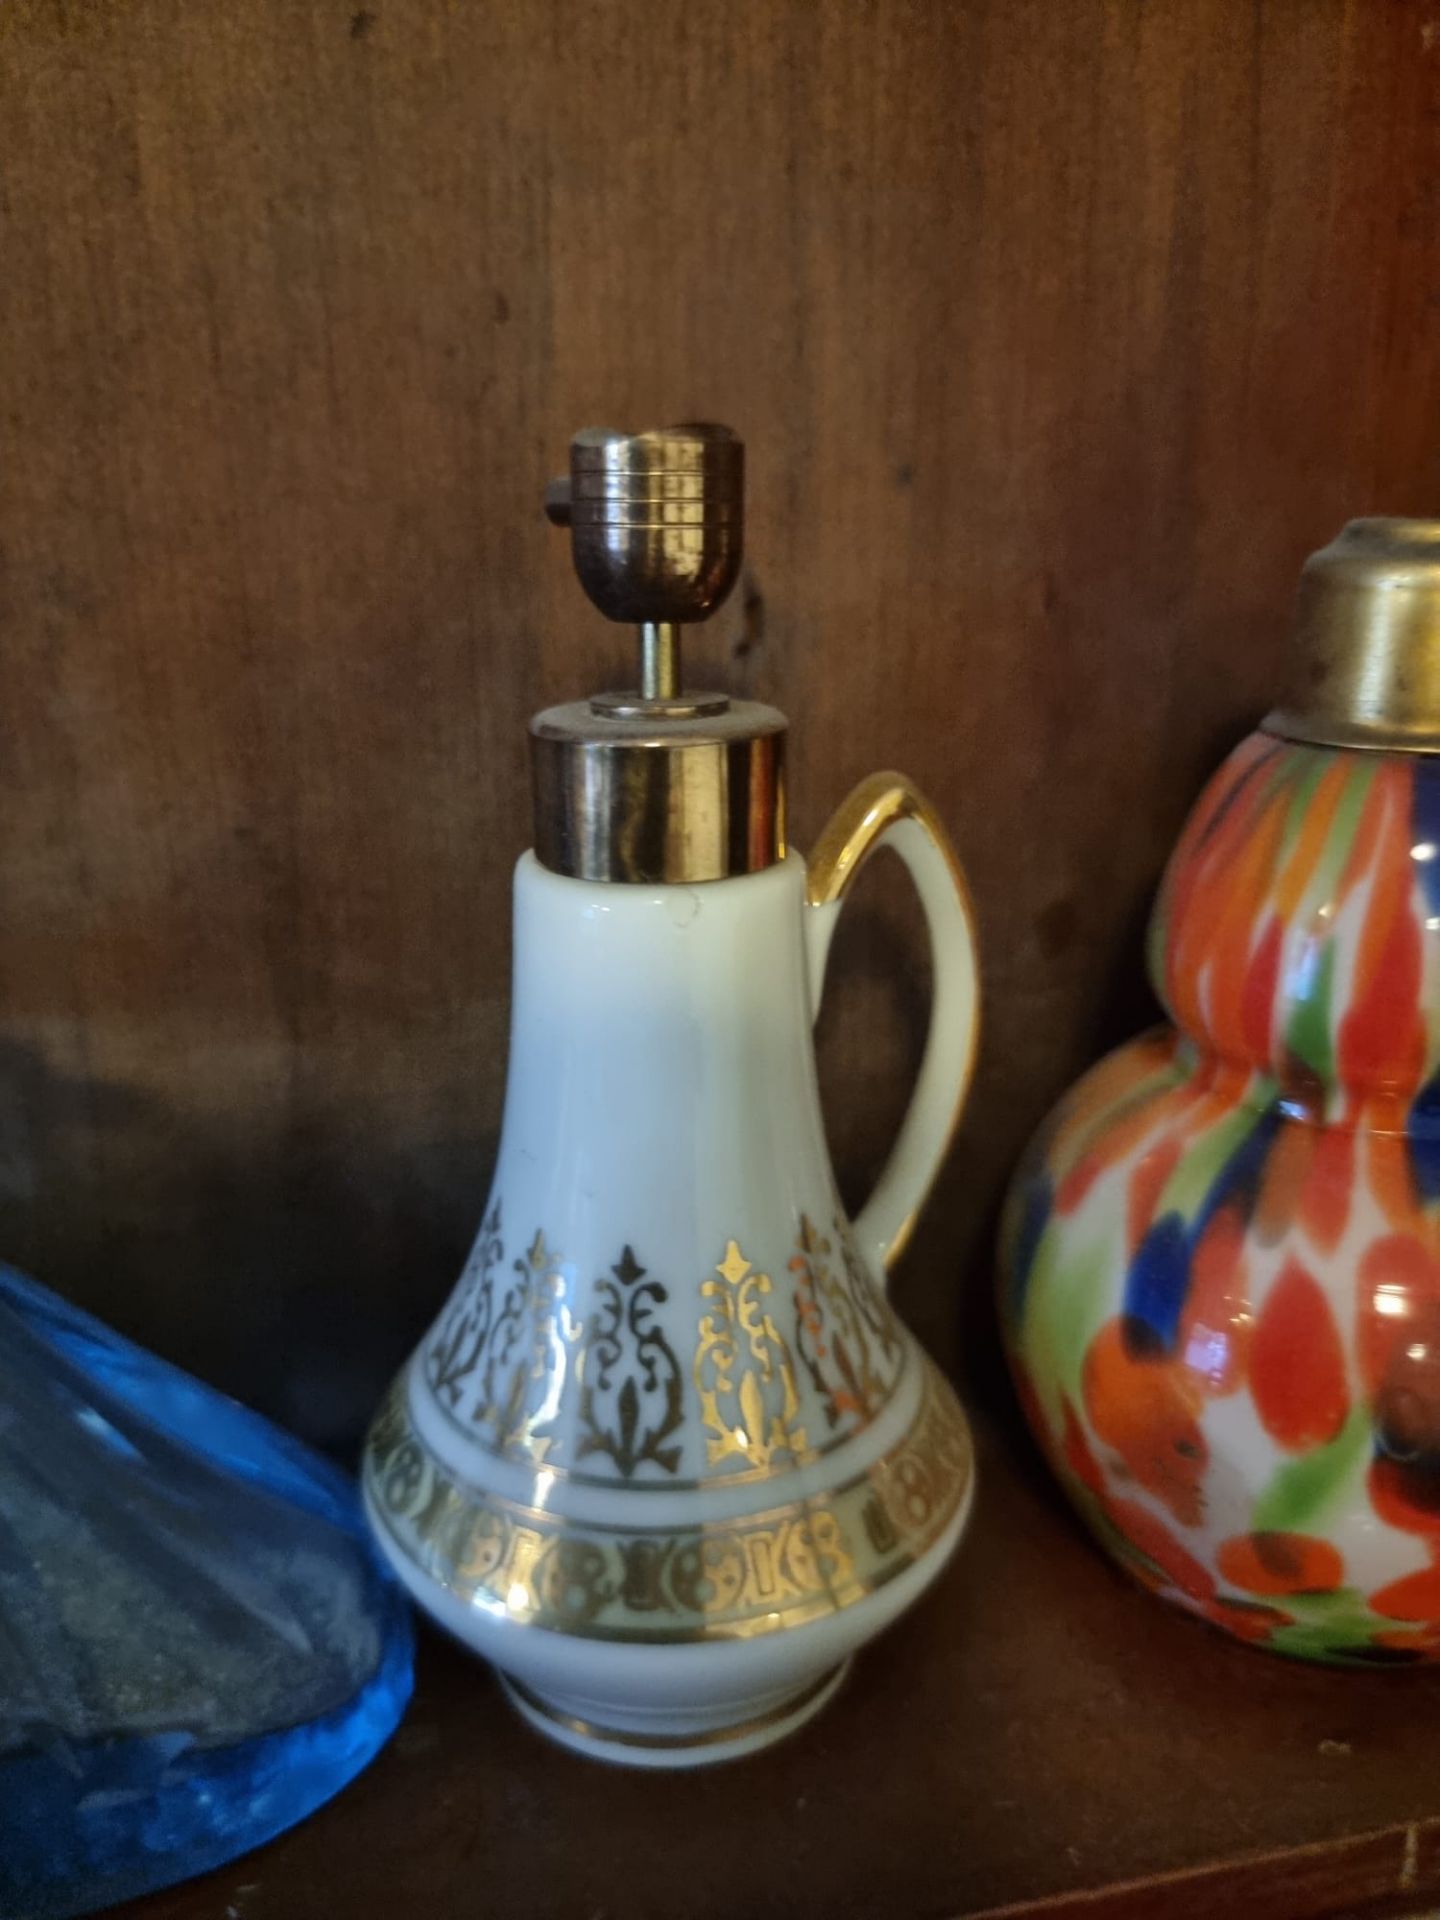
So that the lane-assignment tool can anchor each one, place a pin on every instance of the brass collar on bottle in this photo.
(1365, 661)
(637, 797)
(656, 784)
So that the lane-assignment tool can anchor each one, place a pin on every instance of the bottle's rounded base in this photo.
(677, 1738)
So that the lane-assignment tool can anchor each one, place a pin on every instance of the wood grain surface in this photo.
(1059, 332)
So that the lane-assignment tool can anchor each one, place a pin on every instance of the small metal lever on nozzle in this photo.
(656, 525)
(557, 500)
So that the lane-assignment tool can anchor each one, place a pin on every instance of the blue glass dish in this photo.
(197, 1644)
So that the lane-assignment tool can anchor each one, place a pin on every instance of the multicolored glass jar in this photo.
(1221, 1274)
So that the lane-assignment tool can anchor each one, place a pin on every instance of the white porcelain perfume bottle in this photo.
(667, 1457)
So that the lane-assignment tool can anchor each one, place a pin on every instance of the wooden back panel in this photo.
(1058, 334)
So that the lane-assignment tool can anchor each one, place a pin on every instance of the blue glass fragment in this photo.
(197, 1644)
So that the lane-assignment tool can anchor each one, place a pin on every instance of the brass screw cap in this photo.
(656, 524)
(656, 784)
(1365, 660)
(656, 518)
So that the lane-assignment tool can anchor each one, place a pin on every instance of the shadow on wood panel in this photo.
(295, 1273)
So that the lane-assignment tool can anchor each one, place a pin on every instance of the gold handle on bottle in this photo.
(887, 809)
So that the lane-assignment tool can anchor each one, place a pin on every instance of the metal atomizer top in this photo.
(657, 784)
(1365, 662)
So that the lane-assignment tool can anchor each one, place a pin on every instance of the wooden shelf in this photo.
(1038, 1737)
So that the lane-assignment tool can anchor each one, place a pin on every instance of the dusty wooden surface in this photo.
(1038, 1736)
(1059, 334)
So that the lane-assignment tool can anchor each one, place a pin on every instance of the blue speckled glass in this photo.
(197, 1644)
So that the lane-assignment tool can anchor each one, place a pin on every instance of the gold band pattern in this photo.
(513, 1347)
(729, 1580)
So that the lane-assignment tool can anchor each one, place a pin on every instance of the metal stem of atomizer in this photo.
(654, 783)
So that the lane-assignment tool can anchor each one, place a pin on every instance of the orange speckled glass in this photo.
(1221, 1285)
